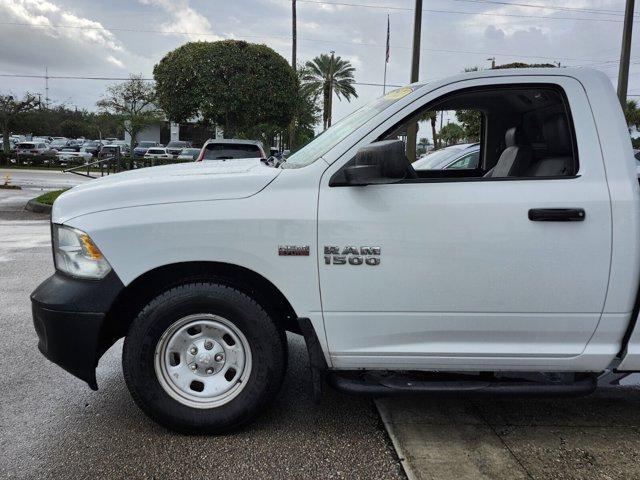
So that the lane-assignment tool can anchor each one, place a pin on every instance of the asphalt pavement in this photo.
(53, 426)
(48, 179)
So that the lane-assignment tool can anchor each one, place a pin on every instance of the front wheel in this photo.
(203, 358)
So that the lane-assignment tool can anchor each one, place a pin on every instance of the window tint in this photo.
(224, 151)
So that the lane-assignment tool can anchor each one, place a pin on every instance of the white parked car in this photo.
(70, 155)
(158, 152)
(518, 277)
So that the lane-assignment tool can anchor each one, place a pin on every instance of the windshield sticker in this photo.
(398, 93)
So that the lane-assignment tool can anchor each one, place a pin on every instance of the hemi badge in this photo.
(293, 250)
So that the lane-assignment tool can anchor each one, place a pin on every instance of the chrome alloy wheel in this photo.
(203, 361)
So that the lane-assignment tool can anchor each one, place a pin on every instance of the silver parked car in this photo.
(188, 154)
(465, 156)
(33, 149)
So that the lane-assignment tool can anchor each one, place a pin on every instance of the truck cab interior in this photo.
(523, 132)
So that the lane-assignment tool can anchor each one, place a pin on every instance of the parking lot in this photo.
(53, 426)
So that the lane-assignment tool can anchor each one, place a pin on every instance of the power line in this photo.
(314, 40)
(79, 77)
(550, 7)
(458, 12)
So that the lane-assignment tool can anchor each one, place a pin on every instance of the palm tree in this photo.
(327, 74)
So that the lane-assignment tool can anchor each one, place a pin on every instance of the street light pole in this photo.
(294, 48)
(625, 53)
(412, 128)
(330, 100)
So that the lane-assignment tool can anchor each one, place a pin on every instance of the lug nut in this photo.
(208, 344)
(193, 350)
(193, 367)
(209, 371)
(219, 357)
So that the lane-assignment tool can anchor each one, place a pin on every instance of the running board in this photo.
(363, 384)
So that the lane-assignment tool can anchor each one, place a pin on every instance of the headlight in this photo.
(75, 254)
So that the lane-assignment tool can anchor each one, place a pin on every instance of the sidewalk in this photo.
(595, 437)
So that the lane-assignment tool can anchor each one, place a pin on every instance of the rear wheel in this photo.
(203, 358)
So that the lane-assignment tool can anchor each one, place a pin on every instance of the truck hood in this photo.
(185, 182)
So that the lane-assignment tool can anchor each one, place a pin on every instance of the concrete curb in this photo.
(36, 207)
(397, 445)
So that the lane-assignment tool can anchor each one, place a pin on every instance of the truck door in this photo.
(498, 265)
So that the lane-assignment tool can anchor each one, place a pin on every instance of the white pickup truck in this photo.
(517, 275)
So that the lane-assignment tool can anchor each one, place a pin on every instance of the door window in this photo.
(497, 132)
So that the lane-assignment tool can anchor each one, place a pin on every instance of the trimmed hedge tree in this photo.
(236, 85)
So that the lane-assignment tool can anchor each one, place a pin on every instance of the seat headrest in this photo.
(515, 136)
(556, 133)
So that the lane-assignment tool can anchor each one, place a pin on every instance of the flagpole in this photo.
(386, 58)
(384, 86)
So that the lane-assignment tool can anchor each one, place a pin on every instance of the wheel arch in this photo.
(153, 282)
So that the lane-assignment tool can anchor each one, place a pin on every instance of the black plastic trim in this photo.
(630, 328)
(68, 316)
(317, 361)
(360, 386)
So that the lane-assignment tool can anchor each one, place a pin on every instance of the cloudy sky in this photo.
(114, 38)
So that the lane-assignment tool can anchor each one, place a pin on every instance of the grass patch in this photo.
(50, 197)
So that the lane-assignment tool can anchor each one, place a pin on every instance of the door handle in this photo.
(557, 214)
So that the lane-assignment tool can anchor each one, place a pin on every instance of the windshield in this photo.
(227, 151)
(147, 144)
(177, 144)
(338, 132)
(437, 158)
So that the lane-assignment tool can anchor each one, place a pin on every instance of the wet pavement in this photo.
(53, 426)
(594, 437)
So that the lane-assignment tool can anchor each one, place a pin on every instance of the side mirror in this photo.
(379, 163)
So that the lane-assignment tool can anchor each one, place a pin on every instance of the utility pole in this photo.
(625, 53)
(330, 100)
(294, 48)
(493, 62)
(46, 87)
(412, 129)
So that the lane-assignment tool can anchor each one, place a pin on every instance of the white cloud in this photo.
(52, 30)
(184, 18)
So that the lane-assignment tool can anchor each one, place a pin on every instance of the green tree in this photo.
(326, 74)
(471, 121)
(632, 113)
(133, 102)
(11, 109)
(73, 128)
(451, 133)
(234, 84)
(431, 116)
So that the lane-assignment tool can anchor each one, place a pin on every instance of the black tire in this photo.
(268, 351)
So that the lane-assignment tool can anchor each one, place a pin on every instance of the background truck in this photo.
(519, 274)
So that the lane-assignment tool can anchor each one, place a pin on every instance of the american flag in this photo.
(388, 37)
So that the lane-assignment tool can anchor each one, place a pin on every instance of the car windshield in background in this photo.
(190, 151)
(26, 145)
(176, 144)
(156, 151)
(435, 159)
(146, 144)
(339, 131)
(227, 151)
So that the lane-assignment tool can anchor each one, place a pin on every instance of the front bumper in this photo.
(68, 316)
